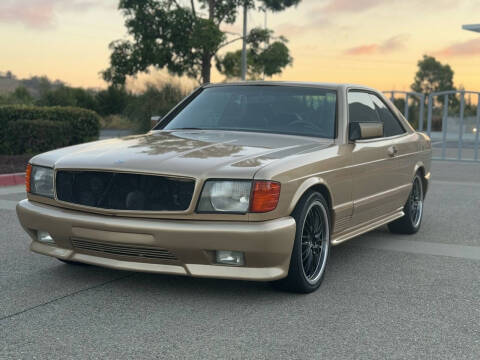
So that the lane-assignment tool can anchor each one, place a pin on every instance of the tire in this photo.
(413, 209)
(304, 275)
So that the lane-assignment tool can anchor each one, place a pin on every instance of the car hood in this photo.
(192, 153)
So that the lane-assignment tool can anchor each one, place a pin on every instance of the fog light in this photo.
(45, 237)
(230, 257)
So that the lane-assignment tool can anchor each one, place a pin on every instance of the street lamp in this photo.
(244, 43)
(472, 27)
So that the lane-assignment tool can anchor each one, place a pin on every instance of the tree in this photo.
(432, 76)
(68, 96)
(112, 100)
(21, 95)
(156, 100)
(268, 61)
(185, 40)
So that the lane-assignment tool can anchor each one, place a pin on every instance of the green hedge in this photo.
(33, 129)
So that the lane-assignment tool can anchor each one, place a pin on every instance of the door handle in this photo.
(392, 150)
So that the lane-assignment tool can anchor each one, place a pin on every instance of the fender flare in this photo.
(417, 166)
(425, 178)
(305, 186)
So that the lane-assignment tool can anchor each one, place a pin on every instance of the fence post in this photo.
(460, 126)
(429, 118)
(444, 126)
(422, 106)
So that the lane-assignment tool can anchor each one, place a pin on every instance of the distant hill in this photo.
(9, 82)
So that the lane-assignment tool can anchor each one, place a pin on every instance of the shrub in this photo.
(36, 136)
(112, 101)
(68, 96)
(67, 126)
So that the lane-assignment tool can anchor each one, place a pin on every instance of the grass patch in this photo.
(117, 122)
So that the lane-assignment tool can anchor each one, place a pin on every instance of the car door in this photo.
(373, 164)
(402, 150)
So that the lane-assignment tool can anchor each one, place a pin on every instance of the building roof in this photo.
(472, 27)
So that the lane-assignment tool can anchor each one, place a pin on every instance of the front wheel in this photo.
(311, 246)
(413, 209)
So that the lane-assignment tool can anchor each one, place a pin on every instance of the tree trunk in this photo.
(206, 68)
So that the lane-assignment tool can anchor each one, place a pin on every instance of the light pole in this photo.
(244, 45)
(472, 27)
(266, 42)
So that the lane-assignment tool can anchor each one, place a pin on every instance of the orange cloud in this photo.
(37, 14)
(466, 48)
(40, 14)
(362, 50)
(296, 29)
(349, 6)
(390, 45)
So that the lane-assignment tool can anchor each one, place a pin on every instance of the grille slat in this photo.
(143, 252)
(124, 191)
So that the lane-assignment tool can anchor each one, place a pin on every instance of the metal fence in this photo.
(455, 134)
(407, 95)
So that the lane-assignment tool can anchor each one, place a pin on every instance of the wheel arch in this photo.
(420, 168)
(314, 184)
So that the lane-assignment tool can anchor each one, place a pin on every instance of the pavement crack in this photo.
(65, 296)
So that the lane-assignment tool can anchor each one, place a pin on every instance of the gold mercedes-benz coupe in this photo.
(251, 181)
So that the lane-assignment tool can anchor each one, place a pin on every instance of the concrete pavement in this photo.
(384, 296)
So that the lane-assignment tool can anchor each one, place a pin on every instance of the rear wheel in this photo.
(311, 246)
(413, 209)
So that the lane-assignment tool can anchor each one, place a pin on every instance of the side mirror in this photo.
(155, 120)
(365, 130)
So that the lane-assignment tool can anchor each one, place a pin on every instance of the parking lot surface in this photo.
(384, 296)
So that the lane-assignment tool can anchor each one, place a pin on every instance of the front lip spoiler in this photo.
(267, 244)
(195, 270)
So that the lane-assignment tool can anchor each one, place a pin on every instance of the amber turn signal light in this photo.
(265, 195)
(28, 174)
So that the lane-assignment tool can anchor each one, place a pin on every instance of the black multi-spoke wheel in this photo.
(416, 202)
(312, 245)
(413, 209)
(314, 234)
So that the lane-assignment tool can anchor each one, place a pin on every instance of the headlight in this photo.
(40, 180)
(225, 196)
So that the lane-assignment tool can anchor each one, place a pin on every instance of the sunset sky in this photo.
(371, 42)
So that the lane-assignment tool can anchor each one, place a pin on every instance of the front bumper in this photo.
(267, 245)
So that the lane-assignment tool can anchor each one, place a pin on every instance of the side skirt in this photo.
(366, 227)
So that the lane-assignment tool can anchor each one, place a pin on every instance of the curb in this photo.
(12, 179)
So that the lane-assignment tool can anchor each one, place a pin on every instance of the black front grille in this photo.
(124, 191)
(115, 249)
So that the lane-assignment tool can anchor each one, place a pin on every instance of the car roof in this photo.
(323, 85)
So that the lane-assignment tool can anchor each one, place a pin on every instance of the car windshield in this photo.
(292, 110)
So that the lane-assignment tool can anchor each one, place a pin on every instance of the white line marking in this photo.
(8, 204)
(421, 247)
(7, 190)
(455, 183)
